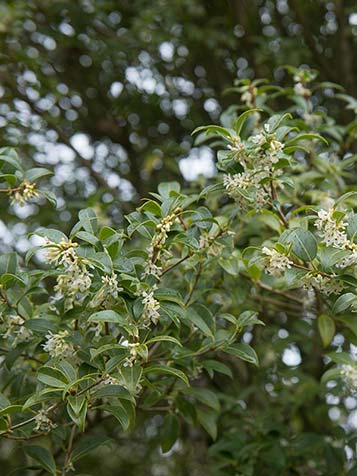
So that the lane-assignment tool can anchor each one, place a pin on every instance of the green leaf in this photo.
(213, 130)
(205, 396)
(215, 366)
(43, 457)
(119, 412)
(169, 432)
(199, 322)
(77, 410)
(208, 421)
(169, 295)
(116, 391)
(49, 196)
(275, 121)
(162, 369)
(9, 156)
(304, 244)
(243, 351)
(87, 237)
(9, 178)
(343, 302)
(239, 122)
(164, 339)
(88, 220)
(52, 377)
(305, 136)
(11, 409)
(8, 263)
(38, 172)
(53, 235)
(86, 445)
(169, 189)
(41, 396)
(331, 374)
(341, 358)
(108, 316)
(327, 329)
(249, 318)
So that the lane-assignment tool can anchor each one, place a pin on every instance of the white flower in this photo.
(349, 373)
(325, 284)
(276, 146)
(43, 423)
(109, 380)
(111, 285)
(350, 259)
(277, 263)
(63, 253)
(76, 280)
(133, 351)
(333, 232)
(300, 90)
(24, 193)
(258, 139)
(157, 244)
(17, 330)
(247, 97)
(151, 308)
(57, 346)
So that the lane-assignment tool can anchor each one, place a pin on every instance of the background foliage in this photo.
(105, 95)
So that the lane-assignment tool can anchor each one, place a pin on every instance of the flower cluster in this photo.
(17, 330)
(324, 284)
(43, 423)
(249, 94)
(158, 242)
(108, 292)
(24, 193)
(76, 280)
(332, 231)
(302, 90)
(258, 157)
(349, 373)
(63, 253)
(276, 263)
(151, 312)
(109, 380)
(57, 346)
(210, 245)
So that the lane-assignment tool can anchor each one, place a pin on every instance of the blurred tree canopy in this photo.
(107, 92)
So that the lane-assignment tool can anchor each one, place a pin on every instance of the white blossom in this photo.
(325, 284)
(301, 90)
(17, 330)
(349, 373)
(57, 346)
(43, 423)
(133, 353)
(258, 139)
(109, 380)
(351, 258)
(333, 232)
(277, 263)
(76, 281)
(24, 193)
(63, 253)
(157, 245)
(151, 308)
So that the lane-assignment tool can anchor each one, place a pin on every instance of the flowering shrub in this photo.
(112, 325)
